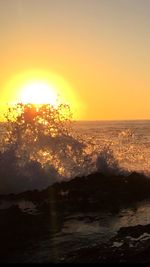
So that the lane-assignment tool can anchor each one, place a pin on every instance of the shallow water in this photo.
(24, 205)
(93, 229)
(82, 231)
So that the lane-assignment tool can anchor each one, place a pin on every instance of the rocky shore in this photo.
(95, 193)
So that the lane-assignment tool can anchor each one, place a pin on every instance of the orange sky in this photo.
(99, 47)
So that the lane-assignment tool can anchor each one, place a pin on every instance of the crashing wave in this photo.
(39, 147)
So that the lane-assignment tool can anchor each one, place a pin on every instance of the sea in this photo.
(114, 147)
(129, 141)
(109, 147)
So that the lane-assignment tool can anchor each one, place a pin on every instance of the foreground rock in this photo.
(91, 193)
(123, 248)
(95, 193)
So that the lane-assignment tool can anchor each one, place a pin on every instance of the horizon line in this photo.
(96, 120)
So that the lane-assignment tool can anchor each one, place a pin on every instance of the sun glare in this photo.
(38, 93)
(41, 87)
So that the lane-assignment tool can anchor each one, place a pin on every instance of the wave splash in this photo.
(39, 147)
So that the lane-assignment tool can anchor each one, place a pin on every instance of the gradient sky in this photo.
(101, 47)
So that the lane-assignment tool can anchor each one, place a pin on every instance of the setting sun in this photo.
(74, 131)
(38, 93)
(41, 87)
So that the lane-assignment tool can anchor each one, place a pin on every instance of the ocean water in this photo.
(129, 141)
(112, 147)
(35, 162)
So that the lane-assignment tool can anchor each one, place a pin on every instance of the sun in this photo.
(40, 87)
(38, 92)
